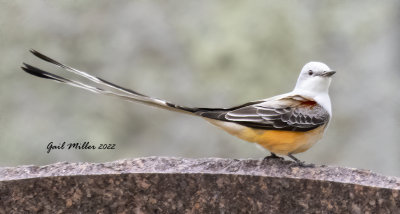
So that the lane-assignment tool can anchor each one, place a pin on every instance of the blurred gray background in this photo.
(196, 53)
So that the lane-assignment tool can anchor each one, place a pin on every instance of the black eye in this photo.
(310, 72)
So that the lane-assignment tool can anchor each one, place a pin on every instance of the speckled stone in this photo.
(179, 185)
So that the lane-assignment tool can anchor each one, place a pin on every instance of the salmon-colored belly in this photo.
(279, 142)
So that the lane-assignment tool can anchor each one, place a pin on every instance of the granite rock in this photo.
(180, 185)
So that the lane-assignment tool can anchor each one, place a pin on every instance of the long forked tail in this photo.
(122, 93)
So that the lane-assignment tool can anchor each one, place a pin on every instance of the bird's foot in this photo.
(301, 163)
(305, 165)
(273, 156)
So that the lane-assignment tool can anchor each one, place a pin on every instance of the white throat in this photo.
(316, 85)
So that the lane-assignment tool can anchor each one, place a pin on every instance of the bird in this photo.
(285, 124)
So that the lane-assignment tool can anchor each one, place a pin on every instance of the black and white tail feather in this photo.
(127, 94)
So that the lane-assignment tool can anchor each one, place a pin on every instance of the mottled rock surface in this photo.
(179, 185)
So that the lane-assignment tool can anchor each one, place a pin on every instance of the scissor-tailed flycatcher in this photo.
(285, 124)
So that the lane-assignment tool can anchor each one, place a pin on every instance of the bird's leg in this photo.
(294, 158)
(300, 163)
(273, 156)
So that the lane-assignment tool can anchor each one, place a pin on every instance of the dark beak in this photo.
(328, 73)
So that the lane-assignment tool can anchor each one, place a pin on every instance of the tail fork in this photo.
(127, 94)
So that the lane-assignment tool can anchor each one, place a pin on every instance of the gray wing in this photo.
(292, 114)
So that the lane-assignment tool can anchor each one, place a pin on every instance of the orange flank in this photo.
(283, 142)
(276, 141)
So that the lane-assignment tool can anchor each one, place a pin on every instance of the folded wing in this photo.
(294, 113)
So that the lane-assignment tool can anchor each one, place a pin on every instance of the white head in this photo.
(315, 78)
